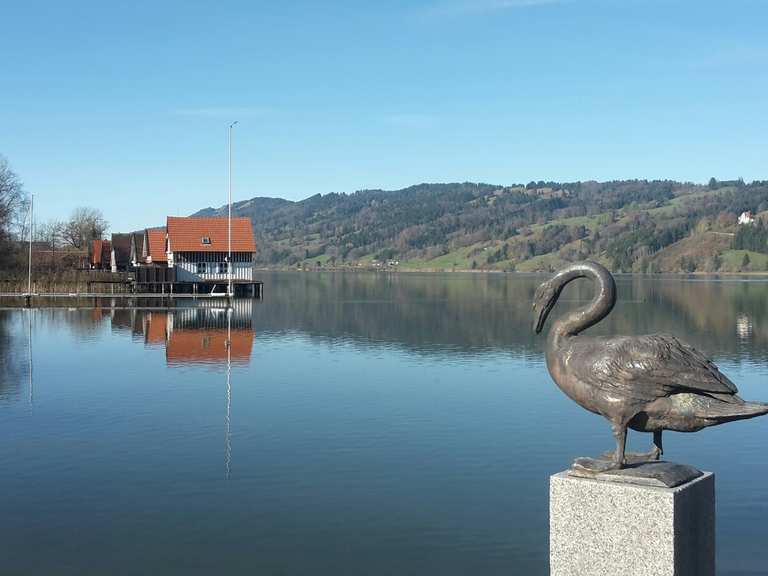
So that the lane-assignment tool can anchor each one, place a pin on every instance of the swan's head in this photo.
(543, 302)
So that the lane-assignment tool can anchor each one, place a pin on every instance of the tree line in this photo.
(73, 234)
(625, 223)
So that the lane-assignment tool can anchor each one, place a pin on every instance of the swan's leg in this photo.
(609, 461)
(658, 448)
(620, 433)
(652, 456)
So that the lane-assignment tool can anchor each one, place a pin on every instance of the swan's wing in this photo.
(645, 368)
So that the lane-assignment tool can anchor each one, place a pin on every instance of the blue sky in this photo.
(124, 106)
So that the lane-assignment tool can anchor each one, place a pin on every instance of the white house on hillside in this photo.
(746, 218)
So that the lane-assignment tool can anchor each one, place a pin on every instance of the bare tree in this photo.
(13, 204)
(84, 225)
(50, 233)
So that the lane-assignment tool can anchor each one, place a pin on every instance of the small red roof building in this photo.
(155, 246)
(100, 253)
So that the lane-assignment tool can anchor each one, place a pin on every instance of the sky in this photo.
(125, 106)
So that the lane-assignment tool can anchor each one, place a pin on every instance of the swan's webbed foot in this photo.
(637, 457)
(630, 458)
(653, 456)
(610, 461)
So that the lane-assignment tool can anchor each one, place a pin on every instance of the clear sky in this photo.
(124, 106)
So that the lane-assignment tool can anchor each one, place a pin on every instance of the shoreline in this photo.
(43, 288)
(759, 274)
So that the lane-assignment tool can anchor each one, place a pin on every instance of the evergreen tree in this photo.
(745, 262)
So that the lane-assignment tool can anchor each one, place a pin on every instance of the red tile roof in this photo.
(156, 248)
(186, 234)
(100, 252)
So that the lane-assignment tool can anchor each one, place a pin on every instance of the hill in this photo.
(630, 225)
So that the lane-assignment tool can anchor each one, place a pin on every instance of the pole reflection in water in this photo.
(29, 347)
(228, 435)
(199, 332)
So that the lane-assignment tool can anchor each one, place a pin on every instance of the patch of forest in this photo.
(630, 225)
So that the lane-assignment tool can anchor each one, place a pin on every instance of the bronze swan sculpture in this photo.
(646, 383)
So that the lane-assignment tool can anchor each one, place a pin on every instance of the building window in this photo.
(202, 268)
(223, 268)
(206, 240)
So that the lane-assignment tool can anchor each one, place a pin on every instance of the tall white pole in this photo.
(31, 228)
(229, 210)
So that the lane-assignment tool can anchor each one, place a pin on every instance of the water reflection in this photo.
(744, 327)
(198, 332)
(479, 313)
(228, 421)
(451, 314)
(12, 363)
(30, 313)
(386, 423)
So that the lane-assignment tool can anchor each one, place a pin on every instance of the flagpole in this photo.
(229, 211)
(31, 229)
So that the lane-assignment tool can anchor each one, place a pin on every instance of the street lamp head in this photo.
(233, 123)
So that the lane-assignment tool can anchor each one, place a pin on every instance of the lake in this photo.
(364, 423)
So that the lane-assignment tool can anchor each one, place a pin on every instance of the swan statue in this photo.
(647, 383)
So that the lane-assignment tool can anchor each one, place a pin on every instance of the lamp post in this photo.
(229, 218)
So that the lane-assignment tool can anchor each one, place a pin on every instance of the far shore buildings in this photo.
(746, 218)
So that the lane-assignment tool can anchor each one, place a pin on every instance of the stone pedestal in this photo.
(606, 528)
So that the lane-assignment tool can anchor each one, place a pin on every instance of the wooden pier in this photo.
(162, 293)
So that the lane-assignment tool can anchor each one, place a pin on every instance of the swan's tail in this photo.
(720, 412)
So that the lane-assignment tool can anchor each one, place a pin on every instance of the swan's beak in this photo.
(542, 306)
(539, 318)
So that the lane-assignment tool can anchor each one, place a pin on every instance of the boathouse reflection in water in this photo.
(201, 333)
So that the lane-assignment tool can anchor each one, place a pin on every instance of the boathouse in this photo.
(197, 249)
(191, 255)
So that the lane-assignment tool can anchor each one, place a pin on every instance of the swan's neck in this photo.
(601, 305)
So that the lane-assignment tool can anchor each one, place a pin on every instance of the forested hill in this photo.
(630, 225)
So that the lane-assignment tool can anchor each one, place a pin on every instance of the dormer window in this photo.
(206, 240)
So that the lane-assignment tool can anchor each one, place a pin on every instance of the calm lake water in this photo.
(363, 424)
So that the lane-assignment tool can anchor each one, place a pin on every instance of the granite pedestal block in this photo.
(605, 528)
